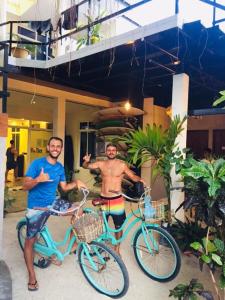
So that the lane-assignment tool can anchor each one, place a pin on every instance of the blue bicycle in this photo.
(101, 266)
(155, 250)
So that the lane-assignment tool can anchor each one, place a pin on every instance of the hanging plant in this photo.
(94, 33)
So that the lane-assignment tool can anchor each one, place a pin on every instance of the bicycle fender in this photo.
(20, 221)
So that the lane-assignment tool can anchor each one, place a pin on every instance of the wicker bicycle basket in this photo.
(88, 227)
(161, 209)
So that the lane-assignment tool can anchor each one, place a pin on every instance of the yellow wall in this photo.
(38, 142)
(23, 136)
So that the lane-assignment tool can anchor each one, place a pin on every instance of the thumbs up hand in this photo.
(43, 177)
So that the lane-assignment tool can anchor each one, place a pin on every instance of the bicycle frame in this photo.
(108, 231)
(51, 249)
(52, 246)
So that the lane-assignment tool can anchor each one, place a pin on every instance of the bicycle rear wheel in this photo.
(162, 263)
(39, 260)
(111, 278)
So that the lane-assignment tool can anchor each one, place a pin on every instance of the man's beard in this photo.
(52, 156)
(111, 158)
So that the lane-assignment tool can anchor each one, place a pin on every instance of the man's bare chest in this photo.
(112, 170)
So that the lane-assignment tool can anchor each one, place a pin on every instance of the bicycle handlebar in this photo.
(130, 199)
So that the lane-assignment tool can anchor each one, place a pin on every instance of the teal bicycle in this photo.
(155, 250)
(101, 266)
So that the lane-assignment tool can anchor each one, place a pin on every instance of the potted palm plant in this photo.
(158, 146)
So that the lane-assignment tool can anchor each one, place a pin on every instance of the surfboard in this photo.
(114, 123)
(117, 112)
(113, 130)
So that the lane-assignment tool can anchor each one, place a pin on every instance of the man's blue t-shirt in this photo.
(44, 193)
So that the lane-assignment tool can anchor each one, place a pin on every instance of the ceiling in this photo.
(146, 67)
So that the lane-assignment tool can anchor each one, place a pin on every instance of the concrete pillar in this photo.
(179, 107)
(3, 135)
(59, 116)
(148, 118)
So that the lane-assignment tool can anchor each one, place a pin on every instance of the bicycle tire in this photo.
(165, 254)
(119, 272)
(39, 260)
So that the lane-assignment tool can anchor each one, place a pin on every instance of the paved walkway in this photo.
(68, 283)
(5, 282)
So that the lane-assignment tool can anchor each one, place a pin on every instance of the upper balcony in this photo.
(71, 33)
(125, 49)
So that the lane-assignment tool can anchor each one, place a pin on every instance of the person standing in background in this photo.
(11, 163)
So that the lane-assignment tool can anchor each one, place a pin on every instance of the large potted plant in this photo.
(158, 146)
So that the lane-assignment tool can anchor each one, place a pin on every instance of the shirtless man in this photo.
(112, 172)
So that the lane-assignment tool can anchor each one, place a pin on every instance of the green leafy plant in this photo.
(187, 232)
(190, 291)
(94, 33)
(212, 173)
(212, 253)
(158, 146)
(205, 190)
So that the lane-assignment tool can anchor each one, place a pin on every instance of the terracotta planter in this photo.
(19, 52)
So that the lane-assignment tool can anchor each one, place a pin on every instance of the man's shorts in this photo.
(36, 219)
(114, 207)
(11, 165)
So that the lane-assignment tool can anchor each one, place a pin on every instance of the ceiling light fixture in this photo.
(130, 42)
(127, 105)
(176, 62)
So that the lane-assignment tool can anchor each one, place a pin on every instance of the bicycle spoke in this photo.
(109, 277)
(157, 253)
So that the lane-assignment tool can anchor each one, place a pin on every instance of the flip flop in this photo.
(32, 286)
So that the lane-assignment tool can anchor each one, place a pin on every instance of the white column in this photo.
(59, 116)
(148, 118)
(179, 107)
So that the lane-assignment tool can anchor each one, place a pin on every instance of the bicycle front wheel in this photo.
(39, 260)
(111, 277)
(157, 253)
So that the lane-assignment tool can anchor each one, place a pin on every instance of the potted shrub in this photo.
(22, 50)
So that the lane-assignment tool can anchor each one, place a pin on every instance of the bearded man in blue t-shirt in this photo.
(41, 181)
